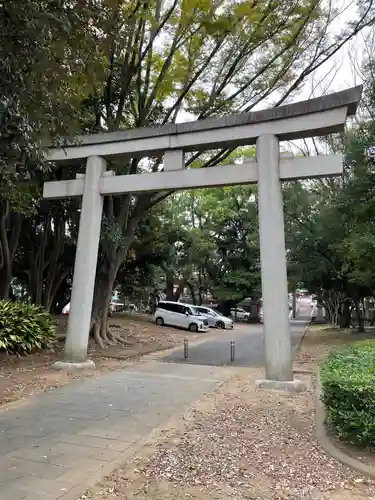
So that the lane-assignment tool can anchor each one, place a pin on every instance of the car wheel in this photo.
(193, 327)
(220, 325)
(159, 321)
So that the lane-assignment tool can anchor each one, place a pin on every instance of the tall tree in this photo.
(204, 240)
(48, 56)
(331, 223)
(202, 57)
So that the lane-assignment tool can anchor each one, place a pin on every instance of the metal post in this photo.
(186, 349)
(294, 306)
(232, 351)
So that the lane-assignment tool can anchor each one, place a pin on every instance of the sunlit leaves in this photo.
(205, 56)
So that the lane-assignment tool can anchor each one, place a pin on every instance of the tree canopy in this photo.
(68, 67)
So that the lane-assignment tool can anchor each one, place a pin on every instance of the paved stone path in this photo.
(249, 347)
(56, 444)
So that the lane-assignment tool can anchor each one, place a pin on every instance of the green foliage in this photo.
(348, 381)
(206, 240)
(24, 327)
(48, 56)
(330, 223)
(230, 222)
(111, 232)
(68, 67)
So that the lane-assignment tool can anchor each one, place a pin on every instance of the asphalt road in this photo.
(249, 346)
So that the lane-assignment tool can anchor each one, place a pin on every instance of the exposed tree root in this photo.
(117, 339)
(102, 336)
(111, 339)
(97, 336)
(121, 341)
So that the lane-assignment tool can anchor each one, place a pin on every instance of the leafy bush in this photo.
(24, 327)
(348, 381)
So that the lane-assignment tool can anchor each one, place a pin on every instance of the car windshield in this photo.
(196, 311)
(199, 311)
(212, 312)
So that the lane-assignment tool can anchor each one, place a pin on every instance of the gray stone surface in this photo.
(273, 269)
(249, 347)
(85, 263)
(70, 367)
(294, 385)
(349, 97)
(54, 442)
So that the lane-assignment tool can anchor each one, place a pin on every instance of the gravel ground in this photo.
(238, 443)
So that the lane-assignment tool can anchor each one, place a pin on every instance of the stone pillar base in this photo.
(70, 366)
(294, 385)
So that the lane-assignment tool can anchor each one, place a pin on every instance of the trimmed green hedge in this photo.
(348, 382)
(24, 327)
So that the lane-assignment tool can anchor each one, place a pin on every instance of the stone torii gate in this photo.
(315, 117)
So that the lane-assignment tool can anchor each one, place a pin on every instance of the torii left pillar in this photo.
(75, 356)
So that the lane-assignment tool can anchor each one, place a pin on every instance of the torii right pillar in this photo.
(277, 334)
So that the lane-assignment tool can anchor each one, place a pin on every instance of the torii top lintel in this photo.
(314, 117)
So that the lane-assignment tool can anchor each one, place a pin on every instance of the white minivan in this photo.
(181, 315)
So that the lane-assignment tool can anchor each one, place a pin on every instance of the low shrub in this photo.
(24, 327)
(348, 382)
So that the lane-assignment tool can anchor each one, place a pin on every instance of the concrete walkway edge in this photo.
(326, 443)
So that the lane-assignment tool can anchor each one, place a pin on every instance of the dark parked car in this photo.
(249, 311)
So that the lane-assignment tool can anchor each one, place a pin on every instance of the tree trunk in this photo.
(366, 315)
(331, 301)
(37, 263)
(345, 315)
(359, 316)
(179, 291)
(52, 269)
(372, 320)
(200, 288)
(9, 243)
(192, 293)
(6, 273)
(35, 283)
(169, 292)
(99, 301)
(107, 271)
(51, 292)
(105, 281)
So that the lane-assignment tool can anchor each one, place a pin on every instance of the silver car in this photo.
(214, 318)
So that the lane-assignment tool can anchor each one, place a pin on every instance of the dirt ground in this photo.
(243, 443)
(321, 339)
(20, 377)
(239, 443)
